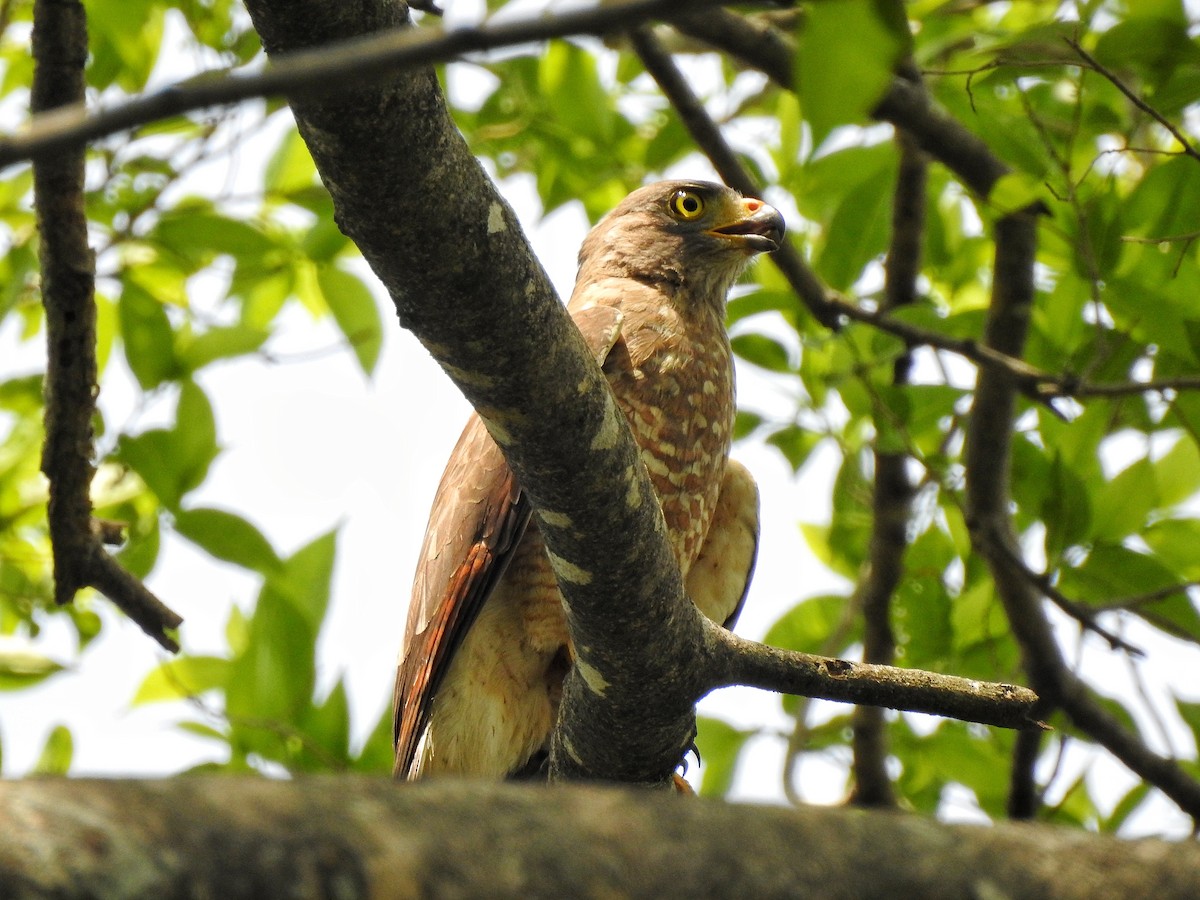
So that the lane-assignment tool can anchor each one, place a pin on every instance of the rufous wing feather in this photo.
(478, 517)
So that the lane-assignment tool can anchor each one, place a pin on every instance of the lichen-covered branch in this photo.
(60, 51)
(359, 837)
(736, 660)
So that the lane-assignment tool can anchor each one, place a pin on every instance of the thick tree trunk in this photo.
(353, 837)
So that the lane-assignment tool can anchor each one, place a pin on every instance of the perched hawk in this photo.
(486, 648)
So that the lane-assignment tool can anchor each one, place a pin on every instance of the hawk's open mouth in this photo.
(761, 232)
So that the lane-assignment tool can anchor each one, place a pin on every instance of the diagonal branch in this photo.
(1133, 98)
(80, 561)
(906, 104)
(464, 280)
(988, 468)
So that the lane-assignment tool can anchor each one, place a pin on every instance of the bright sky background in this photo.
(310, 443)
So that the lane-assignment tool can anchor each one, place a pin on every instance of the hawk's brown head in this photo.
(688, 234)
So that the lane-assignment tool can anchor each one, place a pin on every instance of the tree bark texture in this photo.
(233, 838)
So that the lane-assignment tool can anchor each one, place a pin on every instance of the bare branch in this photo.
(988, 466)
(740, 661)
(905, 105)
(892, 498)
(1083, 613)
(331, 68)
(67, 264)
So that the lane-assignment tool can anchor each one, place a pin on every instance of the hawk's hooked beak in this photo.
(759, 228)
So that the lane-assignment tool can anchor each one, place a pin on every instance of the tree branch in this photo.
(1001, 375)
(906, 104)
(330, 69)
(464, 281)
(1133, 98)
(67, 265)
(461, 269)
(736, 660)
(891, 500)
(321, 836)
(988, 470)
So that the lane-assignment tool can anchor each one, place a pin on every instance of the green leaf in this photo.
(171, 463)
(1177, 474)
(847, 52)
(328, 726)
(1122, 506)
(1126, 806)
(569, 80)
(152, 455)
(306, 577)
(1013, 192)
(181, 678)
(229, 537)
(198, 236)
(745, 423)
(762, 351)
(290, 168)
(272, 680)
(1174, 542)
(1114, 572)
(21, 668)
(196, 430)
(354, 310)
(1066, 508)
(858, 230)
(377, 755)
(148, 337)
(222, 342)
(795, 443)
(57, 752)
(808, 625)
(720, 745)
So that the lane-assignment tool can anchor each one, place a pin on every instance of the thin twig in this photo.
(1133, 98)
(1138, 600)
(1162, 239)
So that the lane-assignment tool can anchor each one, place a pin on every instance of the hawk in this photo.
(486, 645)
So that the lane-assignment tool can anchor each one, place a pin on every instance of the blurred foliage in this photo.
(1104, 488)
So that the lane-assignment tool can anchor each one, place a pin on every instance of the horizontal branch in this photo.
(330, 68)
(345, 836)
(744, 662)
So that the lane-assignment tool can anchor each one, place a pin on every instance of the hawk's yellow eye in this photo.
(687, 205)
